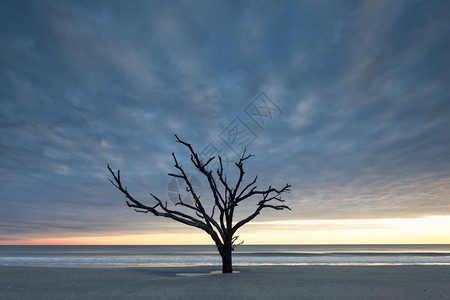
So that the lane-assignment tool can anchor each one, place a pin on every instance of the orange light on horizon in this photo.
(142, 239)
(426, 230)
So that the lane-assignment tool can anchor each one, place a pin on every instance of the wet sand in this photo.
(261, 282)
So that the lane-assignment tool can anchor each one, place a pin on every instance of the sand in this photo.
(262, 282)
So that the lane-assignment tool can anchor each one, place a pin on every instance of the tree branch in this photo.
(263, 203)
(140, 207)
(221, 228)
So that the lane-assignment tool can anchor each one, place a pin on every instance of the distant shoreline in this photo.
(252, 282)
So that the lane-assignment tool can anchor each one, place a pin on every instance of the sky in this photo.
(347, 101)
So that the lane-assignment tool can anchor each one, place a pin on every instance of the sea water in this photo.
(204, 255)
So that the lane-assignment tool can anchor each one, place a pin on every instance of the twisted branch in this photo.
(221, 231)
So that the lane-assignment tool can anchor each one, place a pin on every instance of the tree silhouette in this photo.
(218, 225)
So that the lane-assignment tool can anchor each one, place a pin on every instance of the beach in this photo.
(252, 282)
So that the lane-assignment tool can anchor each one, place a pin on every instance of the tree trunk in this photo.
(227, 263)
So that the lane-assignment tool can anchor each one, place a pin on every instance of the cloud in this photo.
(362, 88)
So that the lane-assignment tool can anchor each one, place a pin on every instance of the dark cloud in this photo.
(362, 86)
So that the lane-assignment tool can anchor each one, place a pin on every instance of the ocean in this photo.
(179, 256)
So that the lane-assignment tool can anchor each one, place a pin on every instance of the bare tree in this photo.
(218, 225)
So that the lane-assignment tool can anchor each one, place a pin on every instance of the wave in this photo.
(211, 260)
(177, 256)
(306, 254)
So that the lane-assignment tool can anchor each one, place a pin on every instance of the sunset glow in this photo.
(429, 230)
